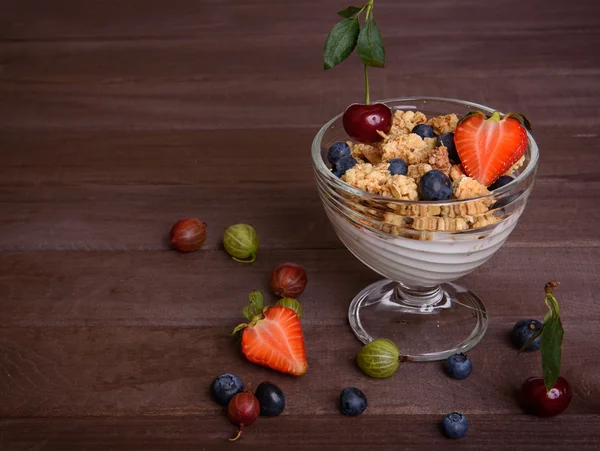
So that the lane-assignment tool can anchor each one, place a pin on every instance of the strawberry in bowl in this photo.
(488, 147)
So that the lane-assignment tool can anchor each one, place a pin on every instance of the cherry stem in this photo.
(239, 434)
(367, 99)
(367, 93)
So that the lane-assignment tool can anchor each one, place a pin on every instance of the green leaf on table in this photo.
(350, 11)
(370, 45)
(340, 42)
(550, 348)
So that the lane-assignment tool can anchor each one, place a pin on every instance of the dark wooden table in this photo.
(119, 117)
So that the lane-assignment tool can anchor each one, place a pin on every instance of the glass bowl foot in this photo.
(427, 324)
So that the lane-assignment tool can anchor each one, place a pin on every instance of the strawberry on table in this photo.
(489, 147)
(273, 337)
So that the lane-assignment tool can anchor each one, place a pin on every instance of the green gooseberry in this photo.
(379, 359)
(241, 242)
(291, 303)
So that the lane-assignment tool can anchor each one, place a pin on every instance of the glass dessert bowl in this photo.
(420, 247)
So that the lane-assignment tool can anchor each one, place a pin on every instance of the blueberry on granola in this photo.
(424, 131)
(342, 165)
(502, 181)
(398, 167)
(435, 185)
(338, 151)
(447, 139)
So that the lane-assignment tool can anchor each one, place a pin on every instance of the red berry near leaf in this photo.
(362, 122)
(536, 400)
(489, 147)
(550, 395)
(243, 410)
(288, 280)
(273, 337)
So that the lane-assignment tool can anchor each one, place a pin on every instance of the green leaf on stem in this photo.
(532, 339)
(340, 42)
(370, 45)
(552, 337)
(350, 11)
(550, 348)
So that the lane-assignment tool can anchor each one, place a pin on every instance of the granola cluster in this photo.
(422, 155)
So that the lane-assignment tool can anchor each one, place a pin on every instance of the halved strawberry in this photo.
(487, 148)
(273, 337)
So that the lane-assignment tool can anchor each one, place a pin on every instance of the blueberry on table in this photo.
(342, 165)
(454, 425)
(458, 366)
(522, 331)
(338, 151)
(225, 386)
(353, 402)
(502, 181)
(424, 131)
(435, 185)
(447, 139)
(398, 166)
(270, 398)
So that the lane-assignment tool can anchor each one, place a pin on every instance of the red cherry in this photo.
(361, 122)
(536, 400)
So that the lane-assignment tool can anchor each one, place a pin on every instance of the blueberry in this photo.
(522, 331)
(270, 398)
(435, 185)
(352, 401)
(447, 139)
(342, 165)
(225, 386)
(398, 167)
(502, 181)
(455, 425)
(458, 366)
(338, 151)
(424, 131)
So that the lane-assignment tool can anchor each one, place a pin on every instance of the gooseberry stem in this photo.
(252, 258)
(239, 434)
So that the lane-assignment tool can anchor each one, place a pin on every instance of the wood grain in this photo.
(118, 118)
(296, 433)
(195, 157)
(89, 218)
(166, 371)
(85, 289)
(228, 65)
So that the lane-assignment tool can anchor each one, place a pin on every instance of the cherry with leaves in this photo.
(549, 395)
(363, 122)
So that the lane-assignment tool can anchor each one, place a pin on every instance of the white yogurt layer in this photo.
(422, 262)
